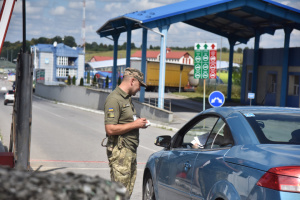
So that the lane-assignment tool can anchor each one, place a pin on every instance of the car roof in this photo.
(225, 111)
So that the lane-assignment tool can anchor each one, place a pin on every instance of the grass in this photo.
(223, 77)
(198, 94)
(237, 57)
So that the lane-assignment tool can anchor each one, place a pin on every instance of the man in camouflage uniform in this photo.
(122, 128)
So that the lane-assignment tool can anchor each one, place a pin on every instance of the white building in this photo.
(58, 62)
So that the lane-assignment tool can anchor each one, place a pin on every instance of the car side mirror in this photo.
(163, 141)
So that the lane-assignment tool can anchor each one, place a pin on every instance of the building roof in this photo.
(176, 54)
(102, 58)
(149, 54)
(235, 19)
(107, 63)
(155, 54)
(61, 49)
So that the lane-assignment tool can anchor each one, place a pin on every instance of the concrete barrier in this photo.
(95, 99)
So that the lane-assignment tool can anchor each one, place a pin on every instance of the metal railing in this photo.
(154, 102)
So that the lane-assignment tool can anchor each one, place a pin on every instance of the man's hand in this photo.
(141, 123)
(120, 129)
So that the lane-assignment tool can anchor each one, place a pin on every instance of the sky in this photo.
(50, 18)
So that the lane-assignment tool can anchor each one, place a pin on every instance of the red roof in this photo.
(176, 54)
(150, 54)
(102, 58)
(154, 54)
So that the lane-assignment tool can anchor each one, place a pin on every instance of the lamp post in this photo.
(54, 60)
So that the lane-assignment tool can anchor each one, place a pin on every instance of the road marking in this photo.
(49, 112)
(67, 168)
(102, 113)
(147, 148)
(74, 161)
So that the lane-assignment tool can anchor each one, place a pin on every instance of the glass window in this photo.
(197, 135)
(220, 136)
(275, 128)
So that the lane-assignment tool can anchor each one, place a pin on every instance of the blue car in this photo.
(229, 153)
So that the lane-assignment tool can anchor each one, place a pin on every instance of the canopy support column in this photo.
(231, 52)
(162, 65)
(144, 61)
(285, 66)
(128, 46)
(255, 65)
(115, 64)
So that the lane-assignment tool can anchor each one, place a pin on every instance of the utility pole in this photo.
(83, 27)
(22, 112)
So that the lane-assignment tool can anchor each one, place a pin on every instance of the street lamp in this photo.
(54, 60)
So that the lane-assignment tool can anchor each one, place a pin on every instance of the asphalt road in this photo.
(66, 138)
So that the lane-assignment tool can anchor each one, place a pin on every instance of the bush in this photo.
(106, 82)
(94, 80)
(74, 80)
(88, 78)
(69, 80)
(81, 82)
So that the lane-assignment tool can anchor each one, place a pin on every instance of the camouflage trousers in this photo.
(122, 163)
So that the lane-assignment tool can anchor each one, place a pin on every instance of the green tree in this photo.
(239, 50)
(81, 82)
(237, 75)
(70, 41)
(106, 82)
(69, 80)
(88, 78)
(94, 80)
(224, 49)
(74, 80)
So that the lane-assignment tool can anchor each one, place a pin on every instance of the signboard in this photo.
(251, 95)
(205, 61)
(216, 99)
(40, 75)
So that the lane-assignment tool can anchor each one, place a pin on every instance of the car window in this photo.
(275, 128)
(220, 136)
(10, 92)
(197, 135)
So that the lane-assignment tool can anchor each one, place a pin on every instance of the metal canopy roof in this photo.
(235, 19)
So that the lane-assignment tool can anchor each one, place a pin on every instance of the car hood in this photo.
(264, 156)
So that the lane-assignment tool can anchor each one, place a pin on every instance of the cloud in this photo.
(60, 10)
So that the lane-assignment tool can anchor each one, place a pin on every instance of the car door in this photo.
(210, 167)
(176, 166)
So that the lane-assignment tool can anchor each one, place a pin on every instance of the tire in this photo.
(5, 102)
(148, 189)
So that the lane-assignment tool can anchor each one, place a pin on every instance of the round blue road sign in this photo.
(216, 99)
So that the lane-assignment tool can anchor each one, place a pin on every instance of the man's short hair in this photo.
(135, 73)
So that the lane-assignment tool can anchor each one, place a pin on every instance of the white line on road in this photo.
(102, 113)
(68, 168)
(50, 112)
(147, 148)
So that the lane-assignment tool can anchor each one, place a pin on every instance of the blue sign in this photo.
(216, 99)
(251, 95)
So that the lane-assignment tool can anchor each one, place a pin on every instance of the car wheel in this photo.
(5, 103)
(148, 189)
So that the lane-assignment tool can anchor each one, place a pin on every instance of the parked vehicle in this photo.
(9, 97)
(172, 78)
(229, 153)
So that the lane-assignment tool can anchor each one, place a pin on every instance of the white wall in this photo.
(80, 70)
(47, 66)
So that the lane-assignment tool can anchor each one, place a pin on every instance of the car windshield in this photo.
(270, 128)
(10, 92)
